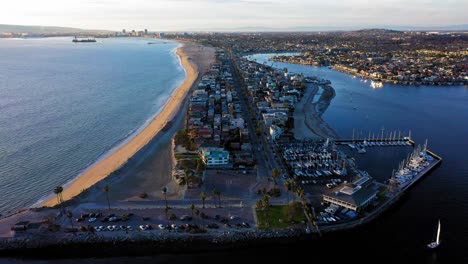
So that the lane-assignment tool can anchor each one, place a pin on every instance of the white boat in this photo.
(435, 244)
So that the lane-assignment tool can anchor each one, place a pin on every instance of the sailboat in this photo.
(435, 244)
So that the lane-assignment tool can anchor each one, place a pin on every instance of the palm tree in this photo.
(58, 192)
(192, 207)
(274, 175)
(266, 201)
(194, 210)
(164, 191)
(70, 215)
(266, 207)
(197, 212)
(106, 189)
(203, 197)
(218, 193)
(300, 193)
(166, 211)
(288, 185)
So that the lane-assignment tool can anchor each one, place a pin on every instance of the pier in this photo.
(436, 162)
(377, 142)
(391, 138)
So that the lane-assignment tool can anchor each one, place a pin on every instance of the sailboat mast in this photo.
(438, 233)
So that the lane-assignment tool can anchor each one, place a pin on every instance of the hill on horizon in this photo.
(45, 29)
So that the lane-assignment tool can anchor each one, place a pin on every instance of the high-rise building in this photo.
(146, 31)
(124, 31)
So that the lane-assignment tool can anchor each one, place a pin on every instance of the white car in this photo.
(92, 219)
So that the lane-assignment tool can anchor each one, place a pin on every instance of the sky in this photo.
(187, 15)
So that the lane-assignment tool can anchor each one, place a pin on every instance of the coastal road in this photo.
(264, 149)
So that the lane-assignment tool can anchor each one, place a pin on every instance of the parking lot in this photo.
(183, 220)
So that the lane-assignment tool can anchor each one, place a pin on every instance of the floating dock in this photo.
(437, 160)
(385, 142)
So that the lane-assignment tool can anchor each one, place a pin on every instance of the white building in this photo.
(213, 156)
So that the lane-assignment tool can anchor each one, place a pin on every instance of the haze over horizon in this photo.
(187, 15)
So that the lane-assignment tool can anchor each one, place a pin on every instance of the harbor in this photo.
(342, 193)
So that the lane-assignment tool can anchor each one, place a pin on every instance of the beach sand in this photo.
(157, 156)
(308, 122)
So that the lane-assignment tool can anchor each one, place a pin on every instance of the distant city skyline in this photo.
(189, 15)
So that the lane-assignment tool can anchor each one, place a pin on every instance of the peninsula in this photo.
(252, 161)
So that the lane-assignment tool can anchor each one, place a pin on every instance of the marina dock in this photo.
(377, 142)
(436, 162)
(393, 198)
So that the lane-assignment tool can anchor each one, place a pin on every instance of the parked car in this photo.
(186, 218)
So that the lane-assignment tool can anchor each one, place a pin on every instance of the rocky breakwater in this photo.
(154, 242)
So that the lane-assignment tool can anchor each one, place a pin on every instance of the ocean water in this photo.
(64, 105)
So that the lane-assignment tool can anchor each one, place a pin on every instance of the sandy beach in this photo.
(308, 122)
(195, 59)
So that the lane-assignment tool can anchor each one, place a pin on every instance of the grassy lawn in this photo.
(280, 216)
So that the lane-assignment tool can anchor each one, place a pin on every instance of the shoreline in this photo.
(307, 115)
(172, 242)
(124, 153)
(352, 72)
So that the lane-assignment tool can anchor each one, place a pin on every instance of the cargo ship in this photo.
(85, 40)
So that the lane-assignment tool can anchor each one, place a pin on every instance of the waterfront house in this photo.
(214, 156)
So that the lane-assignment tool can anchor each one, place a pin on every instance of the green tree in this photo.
(275, 175)
(266, 201)
(259, 204)
(258, 131)
(106, 189)
(164, 191)
(203, 197)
